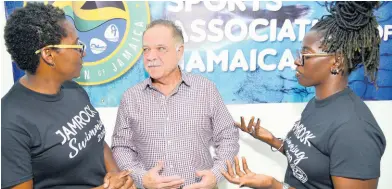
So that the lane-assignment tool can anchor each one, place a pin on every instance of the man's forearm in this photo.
(226, 150)
(216, 170)
(127, 160)
(137, 176)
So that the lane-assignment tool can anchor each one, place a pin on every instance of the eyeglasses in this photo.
(81, 47)
(302, 56)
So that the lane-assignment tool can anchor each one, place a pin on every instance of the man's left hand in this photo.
(208, 180)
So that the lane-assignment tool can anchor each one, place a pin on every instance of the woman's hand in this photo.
(247, 177)
(118, 180)
(256, 130)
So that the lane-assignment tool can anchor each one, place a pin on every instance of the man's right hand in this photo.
(152, 179)
(256, 130)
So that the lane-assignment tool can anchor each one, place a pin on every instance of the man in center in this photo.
(166, 124)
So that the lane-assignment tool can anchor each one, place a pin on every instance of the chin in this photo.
(305, 84)
(301, 82)
(75, 76)
(156, 77)
(154, 74)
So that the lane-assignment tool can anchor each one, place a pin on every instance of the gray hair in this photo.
(177, 33)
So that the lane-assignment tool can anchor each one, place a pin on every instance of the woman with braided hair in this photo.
(337, 143)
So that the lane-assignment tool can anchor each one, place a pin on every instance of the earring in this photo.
(335, 71)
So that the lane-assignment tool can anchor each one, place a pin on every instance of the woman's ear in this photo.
(47, 55)
(338, 66)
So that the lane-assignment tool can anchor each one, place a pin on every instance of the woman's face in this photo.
(68, 62)
(313, 70)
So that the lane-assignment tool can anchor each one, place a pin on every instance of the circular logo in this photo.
(112, 32)
(299, 173)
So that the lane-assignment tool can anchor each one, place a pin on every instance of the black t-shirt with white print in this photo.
(336, 136)
(56, 140)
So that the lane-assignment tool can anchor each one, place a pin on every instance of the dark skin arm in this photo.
(260, 133)
(26, 185)
(110, 164)
(342, 182)
(112, 169)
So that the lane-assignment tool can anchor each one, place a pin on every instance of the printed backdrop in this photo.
(246, 48)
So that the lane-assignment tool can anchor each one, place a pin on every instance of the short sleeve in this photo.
(16, 165)
(356, 148)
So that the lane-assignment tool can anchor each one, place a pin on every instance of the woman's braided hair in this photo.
(351, 30)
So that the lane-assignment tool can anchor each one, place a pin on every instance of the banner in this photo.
(246, 48)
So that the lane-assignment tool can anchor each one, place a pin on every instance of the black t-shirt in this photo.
(337, 136)
(56, 140)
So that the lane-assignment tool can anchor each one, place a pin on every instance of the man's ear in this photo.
(180, 48)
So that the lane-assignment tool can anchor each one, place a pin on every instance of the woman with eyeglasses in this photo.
(51, 135)
(337, 143)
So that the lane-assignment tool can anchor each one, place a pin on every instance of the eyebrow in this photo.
(147, 45)
(306, 48)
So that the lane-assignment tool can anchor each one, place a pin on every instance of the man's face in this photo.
(160, 54)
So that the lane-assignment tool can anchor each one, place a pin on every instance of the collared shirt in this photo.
(178, 129)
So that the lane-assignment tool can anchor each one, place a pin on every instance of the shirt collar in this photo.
(184, 79)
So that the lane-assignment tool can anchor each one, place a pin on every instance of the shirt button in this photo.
(171, 166)
(167, 118)
(169, 142)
